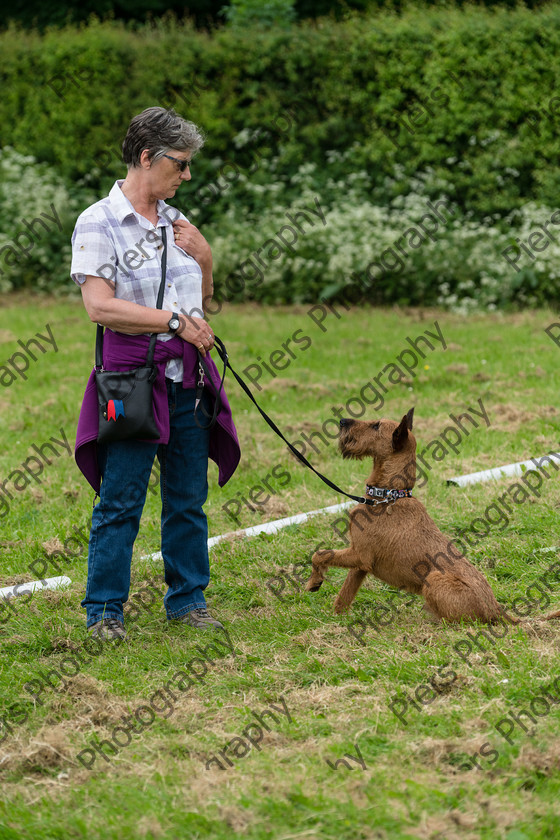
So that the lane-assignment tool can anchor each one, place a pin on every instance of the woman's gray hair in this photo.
(159, 130)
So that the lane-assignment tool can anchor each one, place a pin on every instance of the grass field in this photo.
(413, 705)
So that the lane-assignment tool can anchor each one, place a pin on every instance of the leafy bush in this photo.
(240, 13)
(38, 214)
(467, 94)
(374, 116)
(450, 259)
(343, 247)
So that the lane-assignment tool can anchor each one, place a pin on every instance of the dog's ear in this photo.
(409, 417)
(400, 435)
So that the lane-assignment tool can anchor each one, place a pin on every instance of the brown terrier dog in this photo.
(397, 541)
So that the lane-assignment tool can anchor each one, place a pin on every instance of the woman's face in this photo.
(166, 176)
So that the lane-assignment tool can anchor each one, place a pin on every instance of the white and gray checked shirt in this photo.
(113, 241)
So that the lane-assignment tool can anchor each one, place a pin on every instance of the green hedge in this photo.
(374, 115)
(289, 245)
(484, 77)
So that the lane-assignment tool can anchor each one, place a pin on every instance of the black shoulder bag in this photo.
(125, 398)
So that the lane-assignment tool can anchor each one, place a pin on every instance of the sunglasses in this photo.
(182, 163)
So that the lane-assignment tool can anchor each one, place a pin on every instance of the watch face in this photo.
(174, 324)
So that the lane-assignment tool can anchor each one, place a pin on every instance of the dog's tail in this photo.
(512, 620)
(503, 615)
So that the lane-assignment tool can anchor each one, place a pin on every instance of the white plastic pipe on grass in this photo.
(278, 524)
(498, 472)
(266, 527)
(34, 586)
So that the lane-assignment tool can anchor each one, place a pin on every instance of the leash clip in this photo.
(373, 502)
(200, 383)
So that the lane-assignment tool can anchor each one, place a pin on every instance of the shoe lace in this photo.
(113, 623)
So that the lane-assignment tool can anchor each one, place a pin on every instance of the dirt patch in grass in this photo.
(50, 748)
(274, 508)
(12, 580)
(429, 428)
(457, 368)
(530, 758)
(92, 702)
(318, 389)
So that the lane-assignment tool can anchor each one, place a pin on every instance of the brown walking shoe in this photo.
(108, 630)
(201, 619)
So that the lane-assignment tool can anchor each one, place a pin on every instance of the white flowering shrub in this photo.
(383, 238)
(37, 216)
(453, 261)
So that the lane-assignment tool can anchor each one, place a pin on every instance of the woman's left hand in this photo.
(189, 238)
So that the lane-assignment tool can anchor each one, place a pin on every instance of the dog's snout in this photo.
(345, 422)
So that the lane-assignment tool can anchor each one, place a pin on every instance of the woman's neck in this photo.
(144, 203)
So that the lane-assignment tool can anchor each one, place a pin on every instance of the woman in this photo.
(117, 247)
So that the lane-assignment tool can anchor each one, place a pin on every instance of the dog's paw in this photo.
(313, 586)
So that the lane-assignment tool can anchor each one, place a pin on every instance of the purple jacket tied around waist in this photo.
(124, 352)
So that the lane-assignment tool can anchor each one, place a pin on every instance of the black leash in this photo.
(220, 347)
(202, 370)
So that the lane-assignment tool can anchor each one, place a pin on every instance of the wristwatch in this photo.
(174, 323)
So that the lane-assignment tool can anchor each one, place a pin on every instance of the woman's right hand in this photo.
(196, 331)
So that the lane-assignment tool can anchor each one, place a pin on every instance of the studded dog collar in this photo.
(387, 495)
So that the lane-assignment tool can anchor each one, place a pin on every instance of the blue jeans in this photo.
(126, 467)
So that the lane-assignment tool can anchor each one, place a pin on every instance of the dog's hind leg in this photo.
(453, 598)
(345, 557)
(354, 580)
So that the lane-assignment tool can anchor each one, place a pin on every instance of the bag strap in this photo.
(159, 303)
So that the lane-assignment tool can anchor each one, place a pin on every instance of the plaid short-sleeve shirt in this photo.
(113, 241)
